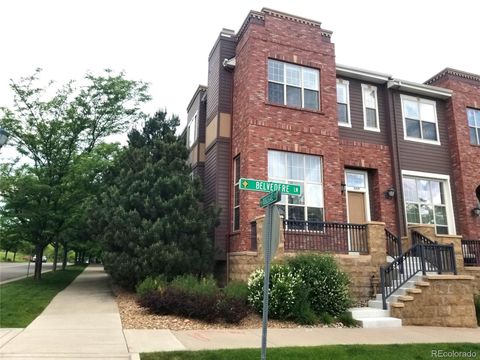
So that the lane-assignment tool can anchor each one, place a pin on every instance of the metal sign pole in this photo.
(267, 249)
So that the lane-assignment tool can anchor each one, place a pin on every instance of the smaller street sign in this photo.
(271, 198)
(269, 186)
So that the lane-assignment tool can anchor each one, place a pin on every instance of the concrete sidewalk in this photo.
(83, 322)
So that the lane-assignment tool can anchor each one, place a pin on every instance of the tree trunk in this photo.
(6, 253)
(38, 262)
(14, 255)
(65, 254)
(55, 255)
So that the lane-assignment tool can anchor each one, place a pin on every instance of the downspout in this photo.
(396, 160)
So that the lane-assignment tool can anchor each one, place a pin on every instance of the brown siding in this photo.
(213, 83)
(357, 132)
(226, 77)
(223, 197)
(419, 156)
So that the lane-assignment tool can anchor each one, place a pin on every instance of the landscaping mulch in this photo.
(136, 317)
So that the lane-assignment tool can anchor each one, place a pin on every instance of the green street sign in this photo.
(271, 198)
(269, 186)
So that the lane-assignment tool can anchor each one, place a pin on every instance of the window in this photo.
(370, 108)
(426, 202)
(192, 130)
(293, 85)
(473, 116)
(343, 101)
(303, 170)
(236, 194)
(420, 120)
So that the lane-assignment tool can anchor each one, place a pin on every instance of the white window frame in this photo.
(425, 101)
(193, 121)
(448, 196)
(302, 85)
(476, 113)
(284, 199)
(368, 87)
(345, 83)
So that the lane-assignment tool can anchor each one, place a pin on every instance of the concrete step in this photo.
(367, 312)
(73, 356)
(381, 322)
(376, 304)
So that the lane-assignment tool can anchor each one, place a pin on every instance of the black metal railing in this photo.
(325, 236)
(418, 238)
(419, 258)
(394, 244)
(471, 252)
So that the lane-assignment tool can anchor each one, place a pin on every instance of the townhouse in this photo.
(365, 147)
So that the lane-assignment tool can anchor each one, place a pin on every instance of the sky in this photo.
(166, 43)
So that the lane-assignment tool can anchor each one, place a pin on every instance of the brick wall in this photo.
(465, 157)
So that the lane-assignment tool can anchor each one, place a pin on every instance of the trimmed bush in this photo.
(189, 297)
(284, 290)
(233, 306)
(150, 284)
(326, 284)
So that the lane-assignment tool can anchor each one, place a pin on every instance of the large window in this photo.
(293, 85)
(426, 202)
(420, 120)
(303, 170)
(192, 130)
(473, 116)
(343, 103)
(370, 107)
(236, 193)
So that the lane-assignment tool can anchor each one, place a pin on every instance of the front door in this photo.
(356, 207)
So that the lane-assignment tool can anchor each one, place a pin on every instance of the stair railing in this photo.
(394, 245)
(420, 257)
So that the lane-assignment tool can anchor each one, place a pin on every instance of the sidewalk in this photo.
(82, 322)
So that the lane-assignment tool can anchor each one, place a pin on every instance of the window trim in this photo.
(477, 128)
(365, 126)
(345, 83)
(285, 85)
(448, 197)
(193, 119)
(425, 101)
(304, 182)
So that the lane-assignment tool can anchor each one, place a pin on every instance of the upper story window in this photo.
(192, 130)
(293, 85)
(343, 103)
(303, 170)
(473, 116)
(370, 107)
(420, 120)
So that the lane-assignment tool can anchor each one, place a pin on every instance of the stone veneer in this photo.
(445, 300)
(363, 270)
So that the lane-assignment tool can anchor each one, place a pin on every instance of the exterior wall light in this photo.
(390, 193)
(3, 137)
(343, 187)
(476, 211)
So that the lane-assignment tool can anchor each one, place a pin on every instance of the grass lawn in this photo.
(333, 352)
(23, 300)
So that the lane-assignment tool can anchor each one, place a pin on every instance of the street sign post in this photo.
(271, 233)
(270, 198)
(269, 186)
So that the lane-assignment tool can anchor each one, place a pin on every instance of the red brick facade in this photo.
(465, 156)
(258, 126)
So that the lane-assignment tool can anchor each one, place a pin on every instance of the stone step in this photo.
(381, 322)
(414, 291)
(397, 305)
(405, 298)
(366, 312)
(422, 283)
